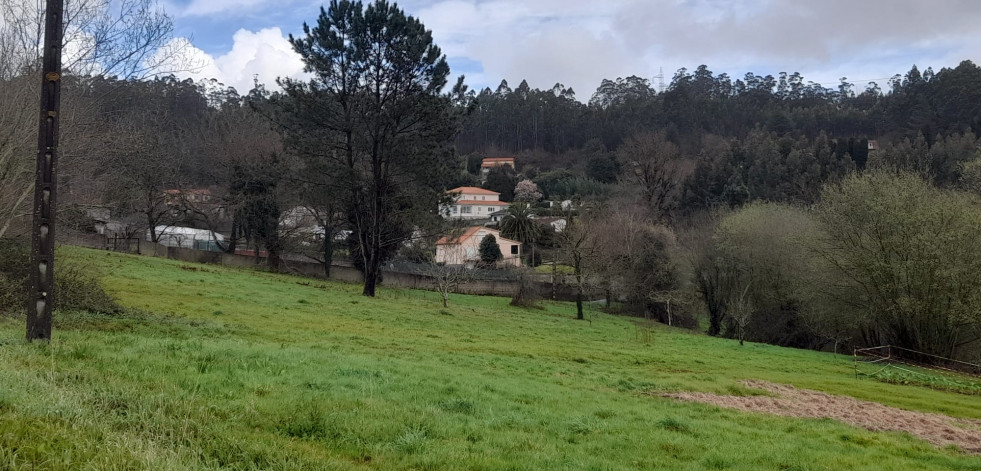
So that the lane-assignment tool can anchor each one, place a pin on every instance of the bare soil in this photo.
(938, 429)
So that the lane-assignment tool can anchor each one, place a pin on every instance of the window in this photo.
(514, 250)
(490, 210)
(483, 197)
(465, 209)
(453, 209)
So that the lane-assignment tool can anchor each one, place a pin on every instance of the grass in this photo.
(546, 268)
(951, 382)
(214, 368)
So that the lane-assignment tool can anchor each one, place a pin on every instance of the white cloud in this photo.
(579, 42)
(220, 10)
(211, 7)
(264, 55)
(543, 41)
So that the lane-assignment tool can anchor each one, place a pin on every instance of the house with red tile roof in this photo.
(471, 202)
(175, 197)
(491, 162)
(464, 249)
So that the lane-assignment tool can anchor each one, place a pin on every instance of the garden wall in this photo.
(341, 270)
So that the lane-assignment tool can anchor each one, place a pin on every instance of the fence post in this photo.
(855, 361)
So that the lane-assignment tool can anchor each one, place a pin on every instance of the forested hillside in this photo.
(756, 137)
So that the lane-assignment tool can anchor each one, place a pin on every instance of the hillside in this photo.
(233, 369)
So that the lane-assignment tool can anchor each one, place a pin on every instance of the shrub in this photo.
(80, 288)
(903, 258)
(490, 252)
(526, 294)
(14, 266)
(76, 287)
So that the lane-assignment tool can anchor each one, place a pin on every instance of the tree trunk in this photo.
(715, 323)
(579, 282)
(233, 238)
(274, 249)
(328, 253)
(370, 280)
(554, 275)
(372, 267)
(153, 230)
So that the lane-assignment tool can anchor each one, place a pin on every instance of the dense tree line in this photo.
(756, 137)
(699, 103)
(884, 259)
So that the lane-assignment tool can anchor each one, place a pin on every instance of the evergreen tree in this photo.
(374, 115)
(490, 252)
(502, 179)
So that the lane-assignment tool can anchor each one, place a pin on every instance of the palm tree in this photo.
(519, 224)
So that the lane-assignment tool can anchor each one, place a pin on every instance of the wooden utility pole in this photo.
(42, 297)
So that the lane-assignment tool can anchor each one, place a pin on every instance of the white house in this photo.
(465, 249)
(497, 216)
(473, 203)
(186, 237)
(558, 224)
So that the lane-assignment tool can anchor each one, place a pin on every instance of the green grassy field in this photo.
(232, 369)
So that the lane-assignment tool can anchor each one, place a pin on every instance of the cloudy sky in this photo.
(580, 42)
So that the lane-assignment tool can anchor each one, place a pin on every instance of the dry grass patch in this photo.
(938, 429)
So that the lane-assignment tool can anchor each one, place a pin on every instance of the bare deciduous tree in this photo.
(655, 167)
(579, 243)
(447, 278)
(617, 246)
(18, 135)
(125, 38)
(122, 38)
(741, 310)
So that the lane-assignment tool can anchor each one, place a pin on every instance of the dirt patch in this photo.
(939, 429)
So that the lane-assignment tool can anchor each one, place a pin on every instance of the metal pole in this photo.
(42, 296)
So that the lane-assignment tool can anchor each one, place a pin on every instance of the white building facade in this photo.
(473, 203)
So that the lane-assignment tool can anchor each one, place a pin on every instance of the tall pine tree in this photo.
(373, 119)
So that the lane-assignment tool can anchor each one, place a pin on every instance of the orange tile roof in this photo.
(472, 190)
(446, 240)
(483, 203)
(496, 161)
